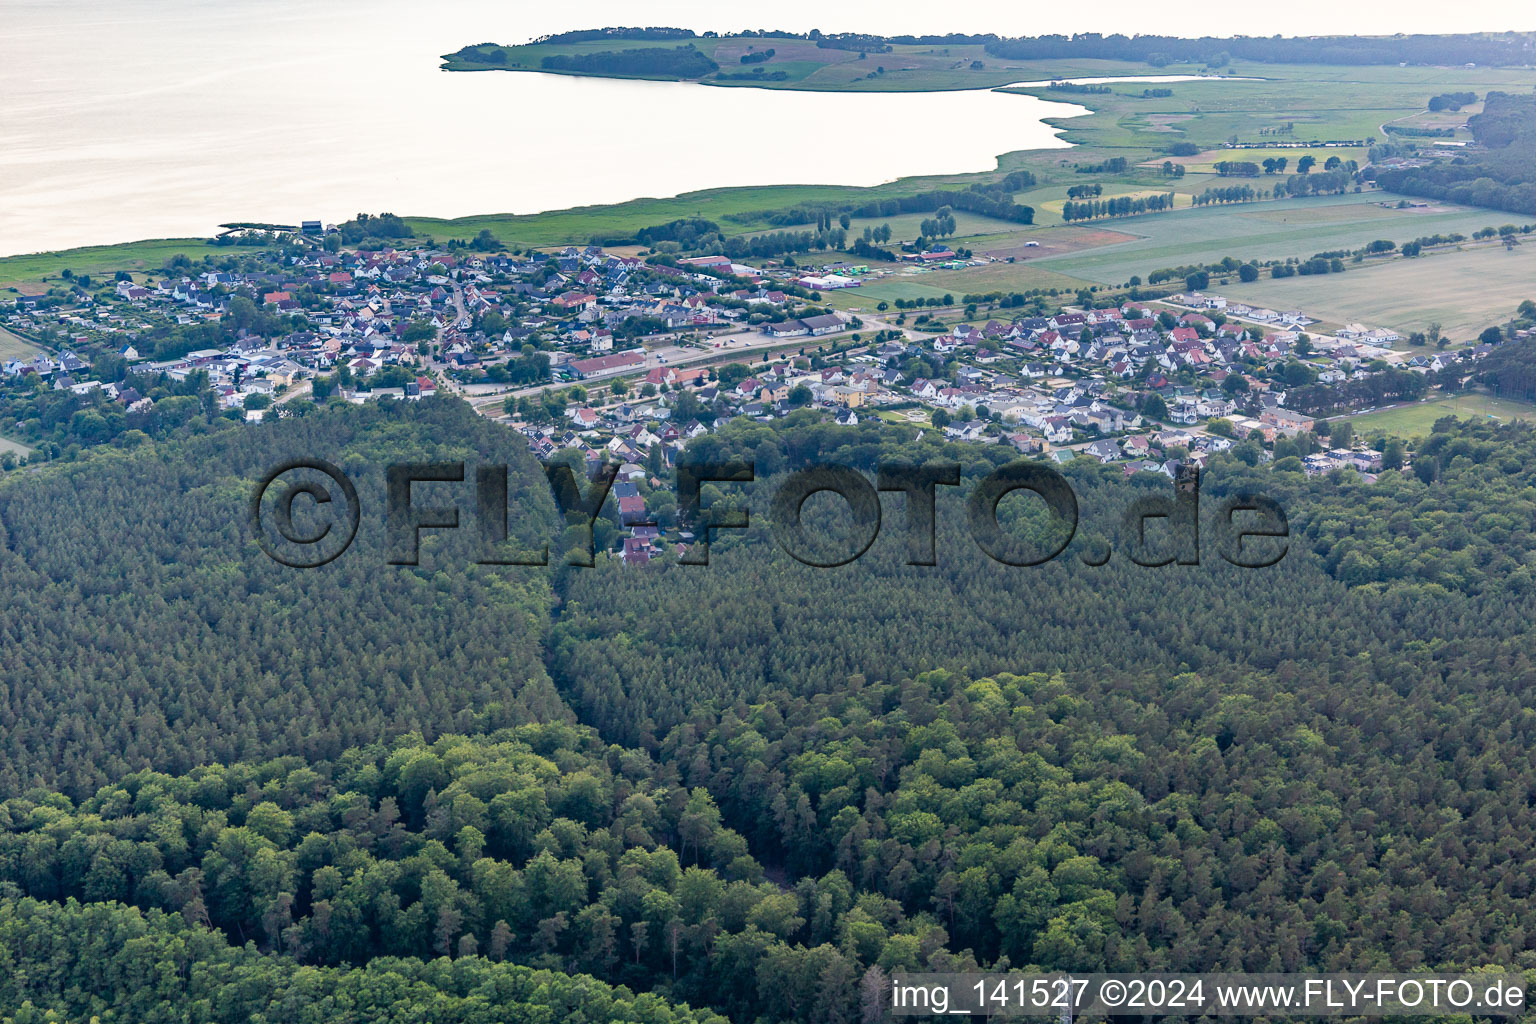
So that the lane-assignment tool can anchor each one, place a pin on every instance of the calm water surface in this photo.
(156, 118)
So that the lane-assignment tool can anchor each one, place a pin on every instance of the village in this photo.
(619, 359)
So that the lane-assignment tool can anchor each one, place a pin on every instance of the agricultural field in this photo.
(1002, 277)
(935, 284)
(906, 227)
(1267, 230)
(1463, 291)
(1048, 242)
(1417, 419)
(1109, 252)
(1316, 104)
(888, 289)
(13, 347)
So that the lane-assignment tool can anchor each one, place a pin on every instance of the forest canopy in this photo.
(754, 790)
(673, 62)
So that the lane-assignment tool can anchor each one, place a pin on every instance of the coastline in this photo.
(564, 224)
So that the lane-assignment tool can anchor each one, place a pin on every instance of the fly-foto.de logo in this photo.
(306, 513)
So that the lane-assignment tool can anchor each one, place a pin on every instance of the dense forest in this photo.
(539, 843)
(1502, 176)
(753, 788)
(674, 62)
(106, 962)
(144, 627)
(1510, 370)
(1437, 554)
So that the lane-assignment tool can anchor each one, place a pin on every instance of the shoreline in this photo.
(893, 186)
(794, 192)
(1156, 75)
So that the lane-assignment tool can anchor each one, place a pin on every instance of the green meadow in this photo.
(1463, 291)
(28, 273)
(1266, 230)
(13, 347)
(1416, 420)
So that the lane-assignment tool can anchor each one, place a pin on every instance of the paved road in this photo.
(448, 383)
(303, 389)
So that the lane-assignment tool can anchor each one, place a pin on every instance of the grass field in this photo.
(907, 226)
(1262, 231)
(736, 210)
(12, 347)
(7, 445)
(26, 273)
(887, 290)
(1323, 103)
(1417, 419)
(1001, 277)
(1463, 291)
(935, 284)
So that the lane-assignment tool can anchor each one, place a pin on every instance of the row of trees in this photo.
(1116, 206)
(939, 226)
(778, 243)
(1237, 168)
(1227, 194)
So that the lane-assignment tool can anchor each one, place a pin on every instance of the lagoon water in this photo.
(138, 119)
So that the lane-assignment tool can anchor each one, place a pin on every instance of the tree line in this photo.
(673, 62)
(1116, 206)
(1499, 177)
